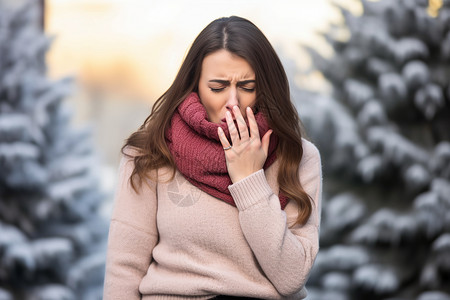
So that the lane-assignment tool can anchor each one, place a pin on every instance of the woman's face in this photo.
(226, 80)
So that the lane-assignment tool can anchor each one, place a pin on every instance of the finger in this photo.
(242, 126)
(232, 128)
(266, 141)
(254, 131)
(223, 139)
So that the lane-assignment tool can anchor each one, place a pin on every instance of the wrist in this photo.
(237, 178)
(250, 190)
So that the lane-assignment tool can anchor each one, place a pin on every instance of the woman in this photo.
(219, 194)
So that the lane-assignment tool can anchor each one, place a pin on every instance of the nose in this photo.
(232, 99)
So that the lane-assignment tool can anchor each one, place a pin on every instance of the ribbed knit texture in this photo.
(174, 241)
(244, 191)
(198, 153)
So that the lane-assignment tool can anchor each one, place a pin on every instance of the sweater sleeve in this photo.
(286, 254)
(132, 236)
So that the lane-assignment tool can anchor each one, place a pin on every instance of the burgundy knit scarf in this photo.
(198, 153)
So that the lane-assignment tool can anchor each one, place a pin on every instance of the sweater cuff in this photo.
(250, 190)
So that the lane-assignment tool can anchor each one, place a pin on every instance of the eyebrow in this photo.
(227, 82)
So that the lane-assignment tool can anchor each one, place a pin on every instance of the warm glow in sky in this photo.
(137, 45)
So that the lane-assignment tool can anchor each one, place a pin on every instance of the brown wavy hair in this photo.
(243, 38)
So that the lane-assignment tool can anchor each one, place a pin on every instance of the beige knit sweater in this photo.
(173, 241)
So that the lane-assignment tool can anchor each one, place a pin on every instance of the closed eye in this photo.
(217, 90)
(248, 89)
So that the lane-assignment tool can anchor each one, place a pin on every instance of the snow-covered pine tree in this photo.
(52, 237)
(384, 135)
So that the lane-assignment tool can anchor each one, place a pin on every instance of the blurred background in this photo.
(125, 54)
(370, 80)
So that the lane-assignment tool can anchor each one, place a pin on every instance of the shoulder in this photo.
(129, 171)
(130, 152)
(128, 156)
(310, 163)
(310, 167)
(310, 152)
(126, 164)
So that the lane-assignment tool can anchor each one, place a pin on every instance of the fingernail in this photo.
(228, 114)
